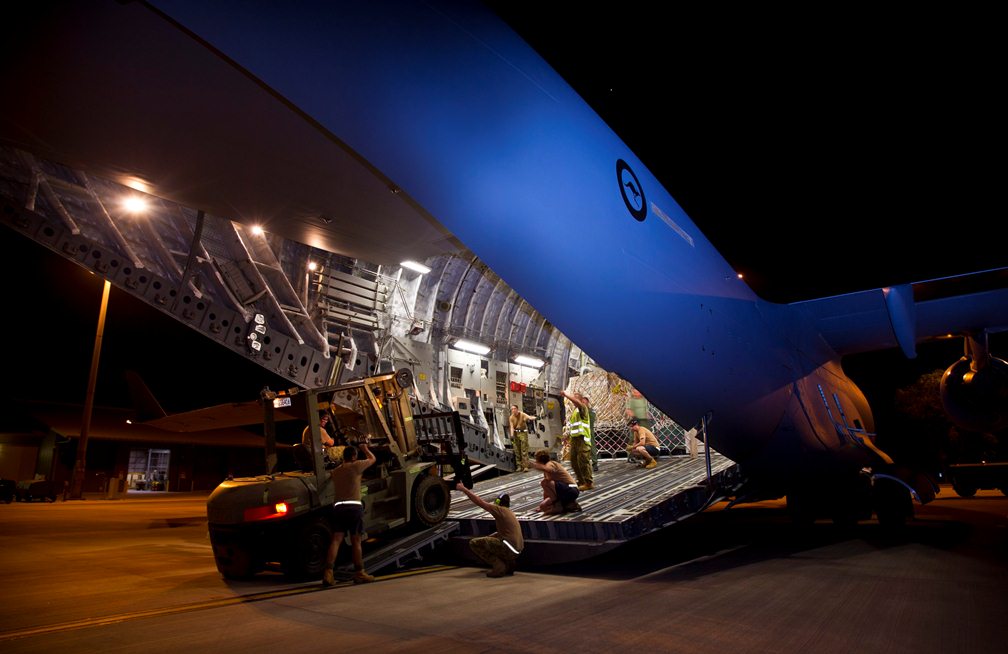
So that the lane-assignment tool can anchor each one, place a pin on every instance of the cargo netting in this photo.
(608, 394)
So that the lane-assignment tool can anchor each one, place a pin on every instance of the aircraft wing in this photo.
(910, 313)
(235, 414)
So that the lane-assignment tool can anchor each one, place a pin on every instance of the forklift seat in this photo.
(303, 458)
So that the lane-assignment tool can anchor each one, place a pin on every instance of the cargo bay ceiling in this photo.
(216, 153)
(224, 279)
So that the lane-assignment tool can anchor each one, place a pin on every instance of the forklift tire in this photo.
(431, 501)
(234, 562)
(306, 554)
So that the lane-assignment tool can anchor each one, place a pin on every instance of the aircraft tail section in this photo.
(146, 405)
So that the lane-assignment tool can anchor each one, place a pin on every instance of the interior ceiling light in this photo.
(413, 265)
(135, 204)
(531, 362)
(469, 346)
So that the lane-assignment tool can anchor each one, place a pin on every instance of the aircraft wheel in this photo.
(893, 506)
(964, 489)
(307, 551)
(431, 501)
(801, 509)
(844, 517)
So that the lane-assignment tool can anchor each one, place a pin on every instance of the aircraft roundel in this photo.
(631, 190)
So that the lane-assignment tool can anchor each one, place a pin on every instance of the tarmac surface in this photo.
(137, 575)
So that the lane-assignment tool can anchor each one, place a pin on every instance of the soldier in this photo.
(348, 512)
(637, 409)
(580, 441)
(501, 548)
(594, 434)
(560, 492)
(518, 422)
(645, 445)
(324, 437)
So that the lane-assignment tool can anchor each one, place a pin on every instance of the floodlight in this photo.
(413, 265)
(469, 346)
(531, 362)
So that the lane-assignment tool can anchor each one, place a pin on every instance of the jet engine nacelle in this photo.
(977, 400)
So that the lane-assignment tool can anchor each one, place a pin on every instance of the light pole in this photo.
(134, 204)
(77, 479)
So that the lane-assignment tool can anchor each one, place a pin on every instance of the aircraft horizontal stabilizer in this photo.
(907, 314)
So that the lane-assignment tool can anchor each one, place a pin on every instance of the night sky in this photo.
(820, 153)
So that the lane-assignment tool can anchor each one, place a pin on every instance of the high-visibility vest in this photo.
(578, 425)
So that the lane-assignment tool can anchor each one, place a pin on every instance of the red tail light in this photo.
(267, 512)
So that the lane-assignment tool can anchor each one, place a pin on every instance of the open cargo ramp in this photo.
(627, 502)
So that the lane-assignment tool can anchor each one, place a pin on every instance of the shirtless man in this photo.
(501, 548)
(323, 421)
(348, 512)
(560, 492)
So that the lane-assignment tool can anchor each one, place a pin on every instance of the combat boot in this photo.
(361, 577)
(327, 578)
(499, 569)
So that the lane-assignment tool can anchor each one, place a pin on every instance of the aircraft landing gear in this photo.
(892, 503)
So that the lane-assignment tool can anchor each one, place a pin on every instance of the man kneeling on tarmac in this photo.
(501, 548)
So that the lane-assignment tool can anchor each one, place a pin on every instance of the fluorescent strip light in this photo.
(531, 362)
(469, 346)
(413, 265)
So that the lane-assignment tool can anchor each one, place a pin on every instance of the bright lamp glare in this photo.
(135, 204)
(413, 265)
(531, 362)
(312, 266)
(257, 230)
(469, 346)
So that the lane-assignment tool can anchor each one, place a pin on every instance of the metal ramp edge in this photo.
(400, 552)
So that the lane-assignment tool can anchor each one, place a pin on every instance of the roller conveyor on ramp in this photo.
(627, 502)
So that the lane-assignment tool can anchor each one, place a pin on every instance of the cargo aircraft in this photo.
(395, 130)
